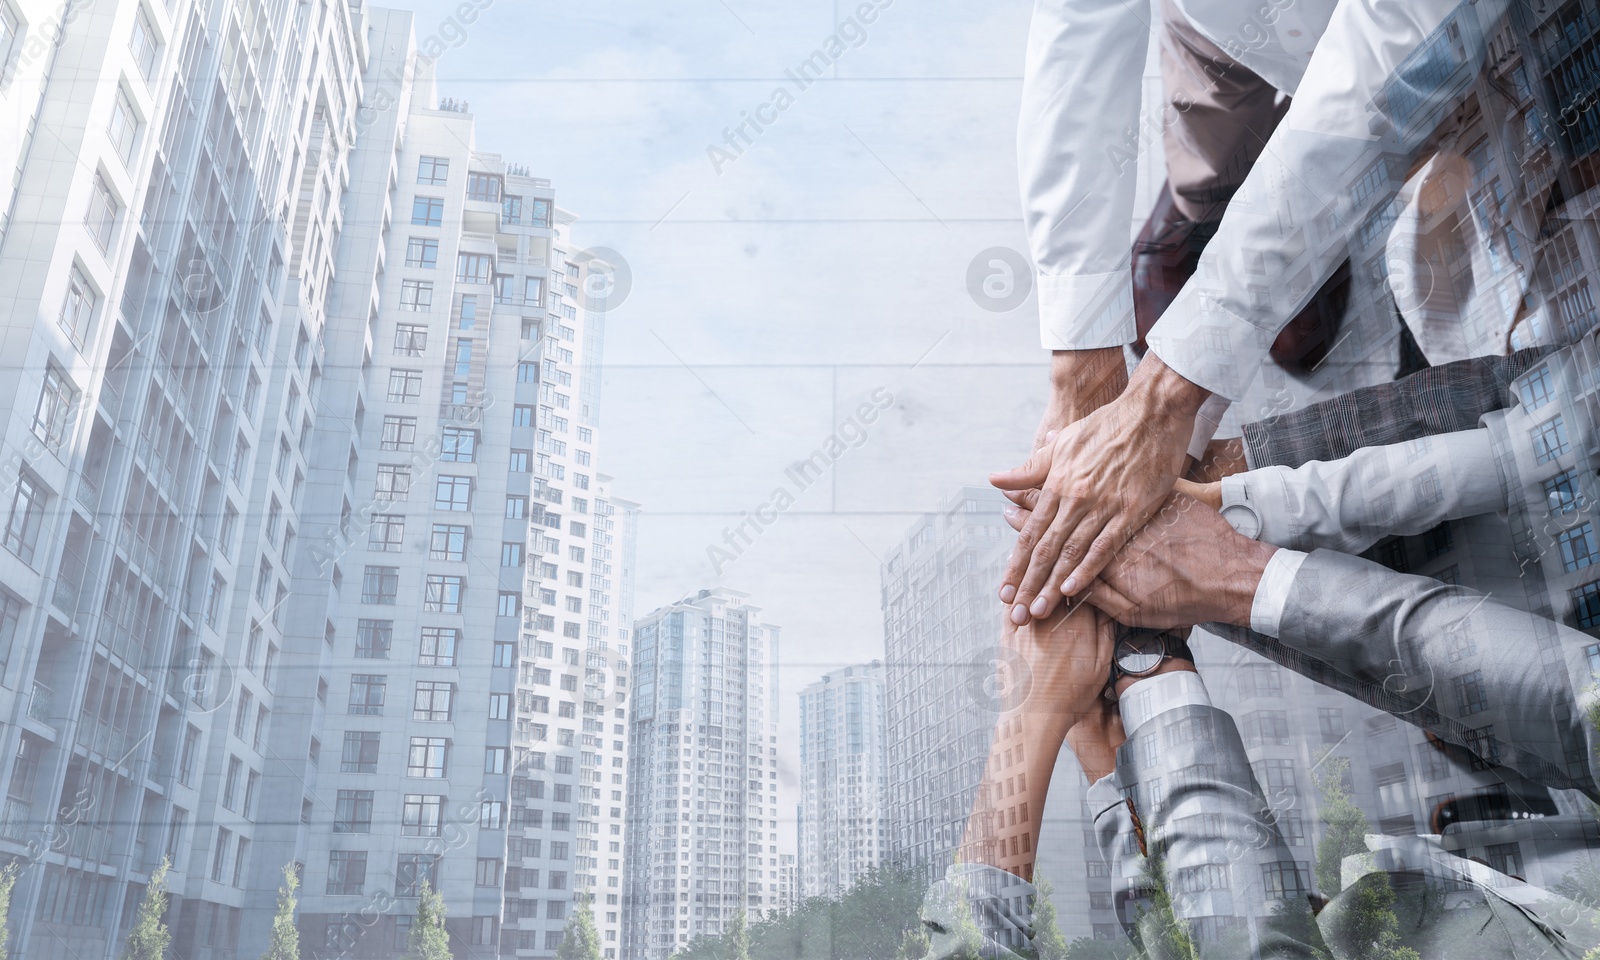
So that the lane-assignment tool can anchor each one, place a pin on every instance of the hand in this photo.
(1068, 659)
(1186, 567)
(1100, 479)
(1081, 381)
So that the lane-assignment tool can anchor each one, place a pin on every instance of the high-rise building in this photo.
(702, 835)
(788, 882)
(167, 249)
(842, 779)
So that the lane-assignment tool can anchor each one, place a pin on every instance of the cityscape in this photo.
(323, 575)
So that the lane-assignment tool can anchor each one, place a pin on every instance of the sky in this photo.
(775, 290)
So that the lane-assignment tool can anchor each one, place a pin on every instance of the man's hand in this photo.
(1081, 382)
(1187, 566)
(1100, 479)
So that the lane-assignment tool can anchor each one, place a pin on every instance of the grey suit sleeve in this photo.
(1210, 835)
(1442, 399)
(1513, 687)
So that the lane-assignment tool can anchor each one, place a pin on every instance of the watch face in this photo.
(1140, 652)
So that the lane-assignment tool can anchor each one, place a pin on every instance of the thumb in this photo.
(1032, 473)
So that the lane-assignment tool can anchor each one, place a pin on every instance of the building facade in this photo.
(842, 779)
(702, 831)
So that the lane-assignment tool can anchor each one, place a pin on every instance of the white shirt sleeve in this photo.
(1350, 504)
(1272, 593)
(1380, 79)
(1077, 150)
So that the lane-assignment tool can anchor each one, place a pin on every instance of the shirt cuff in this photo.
(1206, 423)
(1208, 346)
(1165, 691)
(1087, 311)
(1272, 593)
(1239, 508)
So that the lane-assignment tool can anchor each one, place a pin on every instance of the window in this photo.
(510, 209)
(522, 415)
(347, 872)
(427, 211)
(505, 654)
(438, 647)
(538, 213)
(394, 481)
(421, 815)
(499, 706)
(449, 542)
(1484, 747)
(360, 752)
(494, 760)
(574, 604)
(1276, 776)
(1549, 439)
(511, 554)
(1439, 539)
(411, 870)
(504, 289)
(1578, 547)
(142, 44)
(399, 433)
(373, 639)
(1562, 493)
(101, 217)
(380, 585)
(367, 693)
(121, 129)
(433, 171)
(1283, 881)
(469, 311)
(1586, 605)
(52, 417)
(492, 815)
(352, 812)
(460, 445)
(510, 604)
(387, 532)
(432, 702)
(410, 339)
(489, 871)
(1535, 388)
(428, 757)
(422, 252)
(443, 594)
(484, 187)
(416, 295)
(77, 310)
(452, 493)
(474, 267)
(27, 514)
(533, 290)
(1266, 727)
(1331, 722)
(1471, 696)
(516, 508)
(405, 386)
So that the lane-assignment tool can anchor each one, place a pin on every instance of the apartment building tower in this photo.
(842, 779)
(702, 831)
(167, 249)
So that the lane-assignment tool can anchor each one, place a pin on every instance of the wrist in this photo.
(1082, 381)
(1241, 579)
(1169, 665)
(1094, 741)
(1163, 391)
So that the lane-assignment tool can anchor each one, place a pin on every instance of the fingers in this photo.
(1017, 517)
(1110, 601)
(1032, 473)
(1035, 528)
(1047, 600)
(1209, 494)
(1101, 552)
(1023, 498)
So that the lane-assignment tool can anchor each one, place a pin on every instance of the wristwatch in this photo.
(1139, 652)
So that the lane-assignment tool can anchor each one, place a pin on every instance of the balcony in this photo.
(39, 703)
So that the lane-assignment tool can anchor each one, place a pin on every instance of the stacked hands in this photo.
(1109, 534)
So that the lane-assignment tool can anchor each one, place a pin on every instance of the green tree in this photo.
(429, 940)
(739, 938)
(149, 937)
(1346, 833)
(8, 881)
(1361, 922)
(580, 940)
(285, 943)
(914, 943)
(1047, 939)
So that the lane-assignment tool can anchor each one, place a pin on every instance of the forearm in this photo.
(1003, 829)
(1351, 503)
(1513, 687)
(1082, 381)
